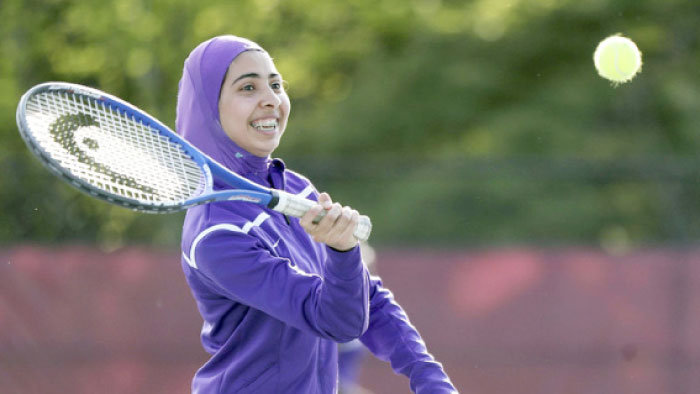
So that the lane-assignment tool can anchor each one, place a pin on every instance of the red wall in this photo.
(74, 319)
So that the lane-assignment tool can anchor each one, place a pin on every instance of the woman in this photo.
(276, 294)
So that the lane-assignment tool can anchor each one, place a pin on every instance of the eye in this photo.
(248, 87)
(276, 86)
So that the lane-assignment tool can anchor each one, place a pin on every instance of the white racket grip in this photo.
(293, 205)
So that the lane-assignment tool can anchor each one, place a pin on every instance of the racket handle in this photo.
(290, 204)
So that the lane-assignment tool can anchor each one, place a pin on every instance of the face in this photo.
(253, 106)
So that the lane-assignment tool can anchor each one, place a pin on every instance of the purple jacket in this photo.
(274, 302)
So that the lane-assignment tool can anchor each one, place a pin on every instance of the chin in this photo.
(264, 152)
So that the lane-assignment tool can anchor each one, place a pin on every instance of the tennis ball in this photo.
(618, 59)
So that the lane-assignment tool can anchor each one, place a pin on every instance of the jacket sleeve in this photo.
(334, 306)
(391, 337)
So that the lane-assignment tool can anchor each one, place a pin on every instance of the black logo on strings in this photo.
(63, 132)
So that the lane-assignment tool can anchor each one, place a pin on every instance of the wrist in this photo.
(344, 248)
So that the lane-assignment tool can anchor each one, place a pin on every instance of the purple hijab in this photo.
(197, 118)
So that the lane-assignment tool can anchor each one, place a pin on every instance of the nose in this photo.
(270, 98)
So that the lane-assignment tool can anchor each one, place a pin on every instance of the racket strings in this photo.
(111, 150)
(63, 131)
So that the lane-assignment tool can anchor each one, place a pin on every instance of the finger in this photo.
(325, 200)
(307, 220)
(345, 238)
(328, 221)
(351, 225)
(340, 228)
(344, 219)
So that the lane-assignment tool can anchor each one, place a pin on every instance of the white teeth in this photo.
(265, 124)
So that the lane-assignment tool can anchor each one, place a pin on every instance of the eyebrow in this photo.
(253, 75)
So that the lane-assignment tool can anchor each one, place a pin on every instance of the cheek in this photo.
(286, 107)
(224, 109)
(231, 113)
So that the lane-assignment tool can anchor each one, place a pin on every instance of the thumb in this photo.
(325, 200)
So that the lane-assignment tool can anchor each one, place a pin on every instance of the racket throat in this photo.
(274, 202)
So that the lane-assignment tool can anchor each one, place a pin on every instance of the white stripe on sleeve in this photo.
(223, 226)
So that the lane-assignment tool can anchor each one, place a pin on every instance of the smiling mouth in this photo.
(265, 124)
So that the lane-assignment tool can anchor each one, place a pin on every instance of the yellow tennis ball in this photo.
(618, 59)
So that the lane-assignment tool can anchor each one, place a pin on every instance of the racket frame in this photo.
(252, 193)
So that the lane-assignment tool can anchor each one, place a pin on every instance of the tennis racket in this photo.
(116, 152)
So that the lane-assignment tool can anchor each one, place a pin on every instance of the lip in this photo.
(269, 117)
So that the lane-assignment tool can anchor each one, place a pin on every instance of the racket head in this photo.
(111, 149)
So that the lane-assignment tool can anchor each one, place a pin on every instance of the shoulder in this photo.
(294, 182)
(299, 184)
(227, 216)
(219, 229)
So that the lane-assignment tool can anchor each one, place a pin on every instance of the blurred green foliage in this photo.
(449, 122)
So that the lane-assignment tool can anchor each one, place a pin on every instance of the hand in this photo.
(336, 228)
